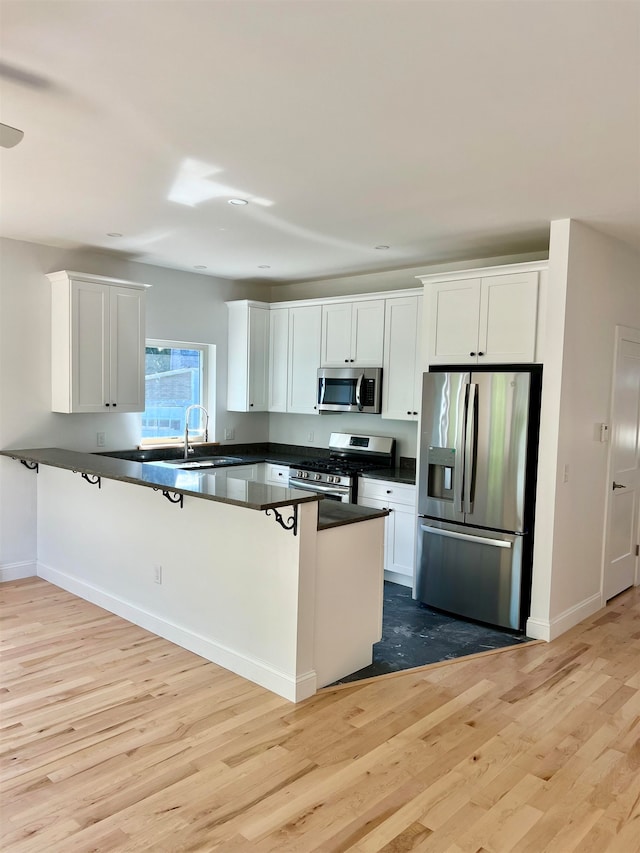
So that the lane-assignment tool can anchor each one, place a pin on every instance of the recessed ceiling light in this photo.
(200, 267)
(114, 234)
(383, 247)
(264, 267)
(237, 201)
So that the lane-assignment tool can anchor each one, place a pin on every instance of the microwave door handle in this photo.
(322, 390)
(359, 391)
(469, 448)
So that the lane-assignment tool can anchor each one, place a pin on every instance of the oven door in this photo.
(332, 493)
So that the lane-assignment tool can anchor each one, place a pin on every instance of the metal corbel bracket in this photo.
(93, 480)
(173, 497)
(290, 524)
(32, 466)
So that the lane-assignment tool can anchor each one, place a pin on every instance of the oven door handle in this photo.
(318, 487)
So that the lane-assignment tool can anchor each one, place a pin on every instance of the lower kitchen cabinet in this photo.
(400, 525)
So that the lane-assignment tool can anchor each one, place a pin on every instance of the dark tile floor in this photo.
(414, 634)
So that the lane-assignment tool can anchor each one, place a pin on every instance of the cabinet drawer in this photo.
(277, 474)
(385, 490)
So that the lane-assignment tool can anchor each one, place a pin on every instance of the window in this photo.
(176, 376)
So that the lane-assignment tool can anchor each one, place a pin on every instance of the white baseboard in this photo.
(540, 629)
(295, 689)
(17, 571)
(396, 577)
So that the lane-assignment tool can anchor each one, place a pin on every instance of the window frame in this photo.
(207, 393)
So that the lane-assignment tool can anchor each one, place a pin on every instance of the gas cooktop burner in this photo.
(336, 465)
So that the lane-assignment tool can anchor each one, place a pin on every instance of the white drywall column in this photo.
(554, 320)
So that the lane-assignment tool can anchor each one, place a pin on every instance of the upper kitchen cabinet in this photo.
(97, 343)
(278, 359)
(353, 333)
(305, 325)
(248, 356)
(483, 316)
(402, 374)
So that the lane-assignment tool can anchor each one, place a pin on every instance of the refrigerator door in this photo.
(470, 572)
(442, 443)
(496, 450)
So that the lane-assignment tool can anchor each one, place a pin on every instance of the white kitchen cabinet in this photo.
(353, 333)
(400, 525)
(97, 343)
(248, 356)
(402, 370)
(487, 317)
(278, 359)
(305, 325)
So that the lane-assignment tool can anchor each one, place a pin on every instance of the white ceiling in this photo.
(444, 130)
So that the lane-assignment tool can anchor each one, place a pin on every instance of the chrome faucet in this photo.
(186, 427)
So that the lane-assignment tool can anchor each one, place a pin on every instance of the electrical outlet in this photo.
(100, 439)
(157, 574)
(310, 437)
(229, 433)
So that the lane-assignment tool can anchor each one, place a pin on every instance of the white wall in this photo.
(594, 284)
(389, 280)
(180, 305)
(296, 429)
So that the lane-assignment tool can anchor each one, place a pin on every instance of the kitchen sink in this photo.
(201, 462)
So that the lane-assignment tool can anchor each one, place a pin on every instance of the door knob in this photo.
(618, 485)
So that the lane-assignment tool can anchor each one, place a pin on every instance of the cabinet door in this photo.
(400, 527)
(126, 337)
(336, 335)
(258, 359)
(401, 542)
(508, 310)
(367, 333)
(305, 326)
(400, 392)
(90, 387)
(454, 309)
(278, 358)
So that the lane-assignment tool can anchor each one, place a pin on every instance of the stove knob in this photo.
(336, 479)
(330, 478)
(305, 475)
(298, 474)
(318, 477)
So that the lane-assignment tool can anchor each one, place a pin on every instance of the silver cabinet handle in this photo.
(466, 537)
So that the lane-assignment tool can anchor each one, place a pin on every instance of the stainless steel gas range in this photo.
(336, 476)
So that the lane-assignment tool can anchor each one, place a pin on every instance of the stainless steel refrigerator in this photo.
(476, 483)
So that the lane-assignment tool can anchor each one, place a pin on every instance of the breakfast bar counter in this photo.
(254, 577)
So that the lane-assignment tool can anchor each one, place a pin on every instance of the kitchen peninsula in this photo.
(251, 576)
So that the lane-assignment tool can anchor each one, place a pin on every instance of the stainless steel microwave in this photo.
(349, 389)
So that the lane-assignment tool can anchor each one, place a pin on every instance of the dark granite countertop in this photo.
(216, 484)
(336, 514)
(202, 483)
(393, 475)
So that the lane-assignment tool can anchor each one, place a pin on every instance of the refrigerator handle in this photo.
(458, 487)
(469, 447)
(466, 537)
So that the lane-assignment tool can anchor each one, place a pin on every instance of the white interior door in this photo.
(623, 519)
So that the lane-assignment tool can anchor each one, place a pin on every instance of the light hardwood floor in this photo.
(115, 739)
